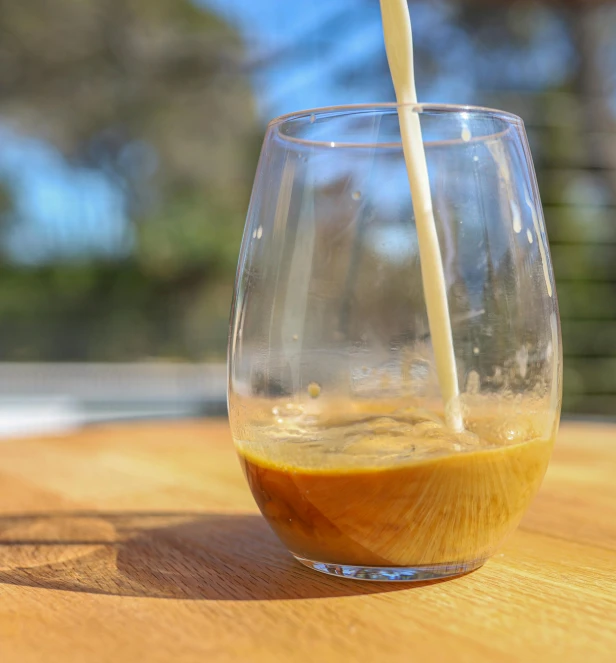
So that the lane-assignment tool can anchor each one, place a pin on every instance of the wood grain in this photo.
(141, 541)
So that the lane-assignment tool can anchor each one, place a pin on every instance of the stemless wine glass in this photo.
(334, 398)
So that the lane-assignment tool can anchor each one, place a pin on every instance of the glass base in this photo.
(393, 573)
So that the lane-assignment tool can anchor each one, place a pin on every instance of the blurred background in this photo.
(129, 135)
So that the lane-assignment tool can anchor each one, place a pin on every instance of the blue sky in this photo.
(464, 65)
(270, 26)
(61, 210)
(69, 212)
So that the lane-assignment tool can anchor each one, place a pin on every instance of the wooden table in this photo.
(142, 542)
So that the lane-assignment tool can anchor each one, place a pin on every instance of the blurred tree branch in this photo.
(153, 94)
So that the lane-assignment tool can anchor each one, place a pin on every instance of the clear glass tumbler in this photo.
(334, 398)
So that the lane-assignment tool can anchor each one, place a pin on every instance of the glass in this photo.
(334, 401)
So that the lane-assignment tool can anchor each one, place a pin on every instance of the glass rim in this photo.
(310, 114)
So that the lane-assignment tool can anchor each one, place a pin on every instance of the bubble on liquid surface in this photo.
(288, 411)
(356, 195)
(514, 431)
(529, 236)
(254, 234)
(293, 410)
(426, 427)
(259, 232)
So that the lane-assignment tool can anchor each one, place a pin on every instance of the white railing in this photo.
(40, 398)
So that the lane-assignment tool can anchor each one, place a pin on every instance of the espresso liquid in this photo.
(435, 510)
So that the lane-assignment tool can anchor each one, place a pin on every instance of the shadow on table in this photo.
(162, 555)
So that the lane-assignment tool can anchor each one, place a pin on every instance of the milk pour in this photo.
(399, 46)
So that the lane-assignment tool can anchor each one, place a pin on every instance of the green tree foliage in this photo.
(150, 93)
